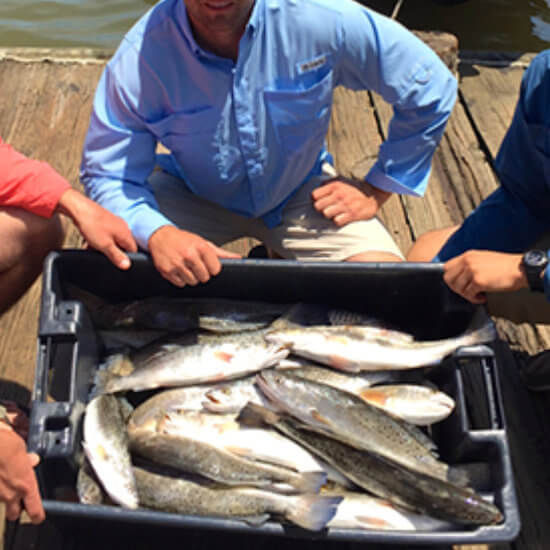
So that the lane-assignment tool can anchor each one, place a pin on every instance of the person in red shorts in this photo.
(33, 196)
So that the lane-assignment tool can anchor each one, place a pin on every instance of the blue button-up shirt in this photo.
(247, 134)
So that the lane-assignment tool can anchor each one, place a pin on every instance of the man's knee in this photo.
(429, 244)
(27, 238)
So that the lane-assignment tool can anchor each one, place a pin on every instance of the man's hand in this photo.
(344, 201)
(102, 230)
(184, 258)
(18, 486)
(478, 271)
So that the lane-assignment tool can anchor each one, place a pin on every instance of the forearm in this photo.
(135, 204)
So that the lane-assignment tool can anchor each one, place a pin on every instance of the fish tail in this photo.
(310, 482)
(107, 379)
(312, 512)
(253, 414)
(481, 329)
(486, 333)
(112, 384)
(458, 477)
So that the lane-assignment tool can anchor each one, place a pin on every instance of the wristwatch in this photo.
(534, 262)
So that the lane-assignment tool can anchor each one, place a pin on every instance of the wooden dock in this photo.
(44, 112)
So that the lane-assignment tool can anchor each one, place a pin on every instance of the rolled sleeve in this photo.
(410, 76)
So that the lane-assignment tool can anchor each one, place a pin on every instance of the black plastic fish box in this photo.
(412, 297)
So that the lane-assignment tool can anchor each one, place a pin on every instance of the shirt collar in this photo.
(185, 25)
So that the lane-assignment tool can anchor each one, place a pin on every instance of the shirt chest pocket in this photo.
(300, 117)
(184, 132)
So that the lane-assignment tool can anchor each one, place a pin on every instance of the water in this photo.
(501, 25)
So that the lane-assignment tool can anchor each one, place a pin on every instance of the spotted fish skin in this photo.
(388, 479)
(198, 358)
(183, 496)
(357, 348)
(106, 447)
(346, 417)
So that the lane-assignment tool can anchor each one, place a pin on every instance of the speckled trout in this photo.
(183, 496)
(197, 453)
(106, 446)
(348, 418)
(197, 358)
(356, 348)
(387, 479)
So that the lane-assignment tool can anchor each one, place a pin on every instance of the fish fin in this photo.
(310, 482)
(313, 512)
(374, 396)
(341, 363)
(239, 451)
(290, 318)
(372, 522)
(482, 329)
(114, 385)
(474, 474)
(224, 356)
(253, 414)
(216, 407)
(256, 520)
(319, 417)
(106, 379)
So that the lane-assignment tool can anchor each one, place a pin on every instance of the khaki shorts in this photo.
(304, 233)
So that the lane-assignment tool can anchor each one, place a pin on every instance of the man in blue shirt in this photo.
(487, 252)
(240, 93)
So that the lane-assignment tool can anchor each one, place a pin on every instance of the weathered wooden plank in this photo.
(490, 95)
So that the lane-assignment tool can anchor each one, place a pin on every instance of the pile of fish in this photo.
(300, 413)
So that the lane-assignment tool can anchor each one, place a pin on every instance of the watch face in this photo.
(535, 258)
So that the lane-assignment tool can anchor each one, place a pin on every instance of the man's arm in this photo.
(381, 55)
(102, 230)
(119, 156)
(18, 486)
(36, 187)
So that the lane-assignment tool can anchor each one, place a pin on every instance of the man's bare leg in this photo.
(429, 244)
(26, 241)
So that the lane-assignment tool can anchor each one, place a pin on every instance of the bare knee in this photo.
(46, 235)
(27, 238)
(429, 244)
(27, 241)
